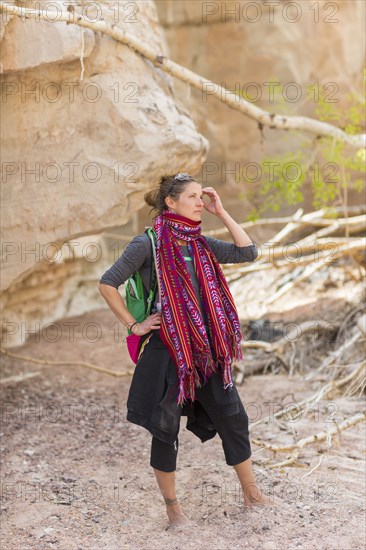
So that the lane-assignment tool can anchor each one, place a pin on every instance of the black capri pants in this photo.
(232, 429)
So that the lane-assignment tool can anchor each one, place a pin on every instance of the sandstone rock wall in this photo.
(85, 121)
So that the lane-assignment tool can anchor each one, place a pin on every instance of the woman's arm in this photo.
(242, 249)
(230, 253)
(239, 236)
(130, 261)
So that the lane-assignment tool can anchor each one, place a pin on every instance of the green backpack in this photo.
(138, 300)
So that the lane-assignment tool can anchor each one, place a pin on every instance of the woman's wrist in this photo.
(134, 328)
(129, 324)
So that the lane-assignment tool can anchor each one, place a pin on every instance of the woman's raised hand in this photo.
(215, 205)
(152, 322)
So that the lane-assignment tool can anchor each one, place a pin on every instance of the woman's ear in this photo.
(169, 202)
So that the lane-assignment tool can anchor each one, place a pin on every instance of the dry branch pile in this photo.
(308, 297)
(312, 277)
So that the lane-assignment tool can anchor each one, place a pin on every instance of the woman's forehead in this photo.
(193, 186)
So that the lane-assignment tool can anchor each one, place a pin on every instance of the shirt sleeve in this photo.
(230, 253)
(130, 261)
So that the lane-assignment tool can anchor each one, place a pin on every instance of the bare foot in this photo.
(256, 498)
(177, 518)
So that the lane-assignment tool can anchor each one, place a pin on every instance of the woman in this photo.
(185, 366)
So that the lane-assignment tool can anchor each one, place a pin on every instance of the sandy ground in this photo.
(76, 475)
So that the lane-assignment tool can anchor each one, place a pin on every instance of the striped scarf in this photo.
(182, 329)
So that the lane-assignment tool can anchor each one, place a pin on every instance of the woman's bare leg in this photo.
(166, 482)
(252, 494)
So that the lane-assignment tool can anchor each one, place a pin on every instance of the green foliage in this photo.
(331, 167)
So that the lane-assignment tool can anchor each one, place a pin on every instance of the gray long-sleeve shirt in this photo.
(138, 256)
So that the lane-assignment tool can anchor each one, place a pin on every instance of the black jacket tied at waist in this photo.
(152, 399)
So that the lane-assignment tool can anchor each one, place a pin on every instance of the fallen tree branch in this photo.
(234, 101)
(64, 363)
(345, 249)
(298, 445)
(313, 469)
(19, 377)
(306, 403)
(297, 220)
(309, 270)
(336, 355)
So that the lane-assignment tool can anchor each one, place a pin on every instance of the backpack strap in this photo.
(153, 274)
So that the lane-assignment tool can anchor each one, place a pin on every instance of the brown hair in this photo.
(168, 186)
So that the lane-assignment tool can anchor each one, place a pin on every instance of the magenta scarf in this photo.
(182, 327)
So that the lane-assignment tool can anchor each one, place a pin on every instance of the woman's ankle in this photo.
(170, 501)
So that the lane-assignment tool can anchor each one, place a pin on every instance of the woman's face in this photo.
(189, 203)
